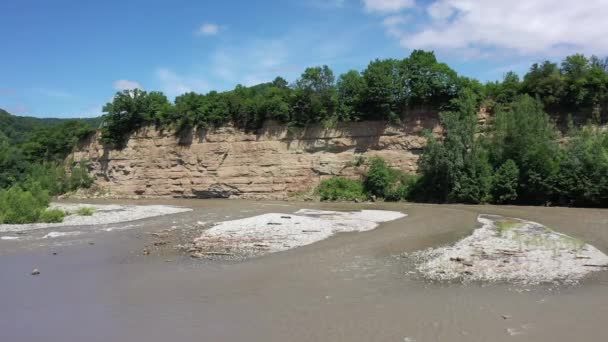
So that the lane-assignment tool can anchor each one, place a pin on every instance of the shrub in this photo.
(404, 188)
(51, 216)
(79, 177)
(56, 179)
(19, 206)
(385, 182)
(339, 188)
(85, 211)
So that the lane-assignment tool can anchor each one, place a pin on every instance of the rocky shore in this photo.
(512, 250)
(272, 232)
(100, 214)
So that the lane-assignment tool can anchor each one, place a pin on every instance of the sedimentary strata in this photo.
(273, 162)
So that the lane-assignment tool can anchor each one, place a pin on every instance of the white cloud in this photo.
(523, 27)
(173, 84)
(387, 6)
(258, 61)
(208, 29)
(126, 85)
(394, 23)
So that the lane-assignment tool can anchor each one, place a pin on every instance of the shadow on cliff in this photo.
(363, 135)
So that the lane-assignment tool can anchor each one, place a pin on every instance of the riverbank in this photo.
(96, 214)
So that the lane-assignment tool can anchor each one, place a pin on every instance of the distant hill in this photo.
(17, 128)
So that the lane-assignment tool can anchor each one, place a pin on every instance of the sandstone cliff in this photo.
(272, 162)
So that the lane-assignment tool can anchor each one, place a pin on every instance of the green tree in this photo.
(456, 169)
(426, 82)
(545, 81)
(383, 90)
(504, 185)
(189, 110)
(526, 135)
(274, 104)
(55, 143)
(315, 97)
(129, 111)
(351, 91)
(507, 91)
(575, 70)
(582, 178)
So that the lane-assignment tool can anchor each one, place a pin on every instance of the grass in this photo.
(341, 189)
(357, 162)
(85, 211)
(52, 216)
(506, 225)
(563, 241)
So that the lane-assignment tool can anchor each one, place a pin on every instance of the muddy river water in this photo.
(99, 286)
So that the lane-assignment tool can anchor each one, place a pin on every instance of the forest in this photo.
(387, 89)
(543, 146)
(33, 165)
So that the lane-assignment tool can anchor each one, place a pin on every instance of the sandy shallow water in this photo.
(349, 287)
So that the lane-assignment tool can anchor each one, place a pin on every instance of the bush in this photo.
(379, 178)
(404, 188)
(19, 206)
(385, 182)
(86, 211)
(51, 216)
(56, 179)
(339, 188)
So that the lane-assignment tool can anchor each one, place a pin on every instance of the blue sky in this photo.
(66, 58)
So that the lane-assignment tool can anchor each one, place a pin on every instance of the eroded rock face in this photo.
(270, 163)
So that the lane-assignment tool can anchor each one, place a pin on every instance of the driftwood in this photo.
(462, 261)
(592, 265)
(212, 254)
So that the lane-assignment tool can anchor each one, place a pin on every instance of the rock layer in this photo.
(273, 162)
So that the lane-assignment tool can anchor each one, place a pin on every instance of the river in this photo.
(351, 287)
